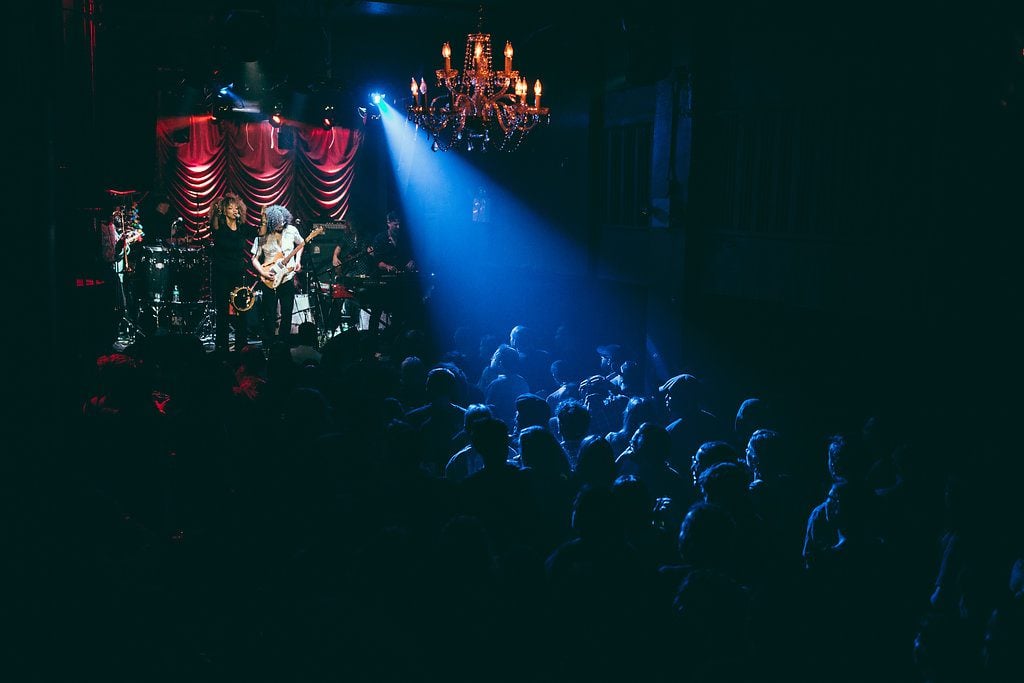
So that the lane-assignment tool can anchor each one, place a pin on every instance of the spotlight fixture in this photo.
(220, 110)
(328, 118)
(275, 117)
(376, 97)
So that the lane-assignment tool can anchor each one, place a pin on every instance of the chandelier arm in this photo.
(500, 116)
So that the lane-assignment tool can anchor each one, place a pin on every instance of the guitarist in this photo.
(278, 250)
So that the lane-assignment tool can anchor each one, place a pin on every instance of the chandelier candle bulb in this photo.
(536, 94)
(508, 57)
(423, 91)
(478, 51)
(446, 52)
(415, 91)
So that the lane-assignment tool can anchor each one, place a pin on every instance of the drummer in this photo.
(158, 221)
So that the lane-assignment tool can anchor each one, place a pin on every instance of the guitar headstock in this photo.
(316, 232)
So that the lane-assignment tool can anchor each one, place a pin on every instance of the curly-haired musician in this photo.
(277, 256)
(231, 235)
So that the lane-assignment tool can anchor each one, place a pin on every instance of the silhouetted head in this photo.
(766, 454)
(612, 356)
(562, 372)
(847, 458)
(441, 384)
(726, 484)
(489, 437)
(596, 463)
(521, 338)
(475, 414)
(683, 394)
(650, 444)
(638, 410)
(750, 416)
(573, 419)
(531, 411)
(540, 450)
(632, 377)
(709, 454)
(707, 536)
(306, 334)
(505, 359)
(633, 500)
(394, 223)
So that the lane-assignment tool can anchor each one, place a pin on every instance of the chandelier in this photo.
(479, 108)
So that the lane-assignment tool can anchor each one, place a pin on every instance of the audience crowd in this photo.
(381, 509)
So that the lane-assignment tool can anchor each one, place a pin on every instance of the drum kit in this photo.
(166, 287)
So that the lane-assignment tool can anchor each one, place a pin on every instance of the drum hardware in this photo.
(164, 268)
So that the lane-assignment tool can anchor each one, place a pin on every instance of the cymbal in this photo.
(121, 193)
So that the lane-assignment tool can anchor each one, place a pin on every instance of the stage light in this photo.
(275, 117)
(226, 89)
(328, 118)
(376, 97)
(220, 112)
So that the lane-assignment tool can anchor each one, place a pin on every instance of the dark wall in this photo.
(850, 194)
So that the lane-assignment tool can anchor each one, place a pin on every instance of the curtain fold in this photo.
(312, 176)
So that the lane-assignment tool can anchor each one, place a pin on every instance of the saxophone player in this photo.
(231, 236)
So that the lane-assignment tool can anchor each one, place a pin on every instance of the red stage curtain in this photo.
(312, 177)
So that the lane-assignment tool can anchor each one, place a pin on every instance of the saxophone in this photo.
(243, 298)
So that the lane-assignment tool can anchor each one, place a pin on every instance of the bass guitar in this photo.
(277, 265)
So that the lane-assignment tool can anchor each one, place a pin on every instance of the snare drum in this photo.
(335, 290)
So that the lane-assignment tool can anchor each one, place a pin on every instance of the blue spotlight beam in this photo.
(479, 260)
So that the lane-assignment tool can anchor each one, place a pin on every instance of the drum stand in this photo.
(207, 326)
(331, 312)
(128, 330)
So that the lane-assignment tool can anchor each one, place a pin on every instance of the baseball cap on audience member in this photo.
(680, 384)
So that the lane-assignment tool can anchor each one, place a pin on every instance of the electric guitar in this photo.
(276, 265)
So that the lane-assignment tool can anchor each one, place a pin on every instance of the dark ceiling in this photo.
(333, 50)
